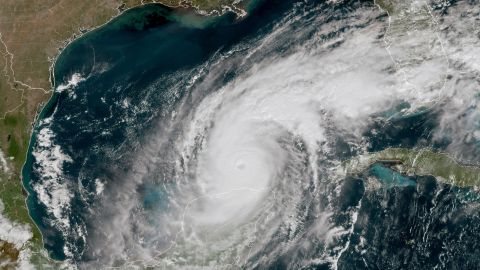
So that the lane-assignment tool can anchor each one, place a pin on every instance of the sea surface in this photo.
(126, 76)
(154, 102)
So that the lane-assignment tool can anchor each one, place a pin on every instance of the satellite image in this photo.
(240, 134)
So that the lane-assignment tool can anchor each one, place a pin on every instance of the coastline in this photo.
(44, 110)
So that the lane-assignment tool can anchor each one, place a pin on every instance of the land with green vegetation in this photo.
(32, 34)
(418, 162)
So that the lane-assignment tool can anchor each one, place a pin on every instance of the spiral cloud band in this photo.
(240, 168)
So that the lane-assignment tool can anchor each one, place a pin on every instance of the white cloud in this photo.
(3, 163)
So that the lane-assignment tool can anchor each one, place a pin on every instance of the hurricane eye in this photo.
(247, 135)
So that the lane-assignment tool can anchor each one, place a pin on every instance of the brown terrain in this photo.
(32, 34)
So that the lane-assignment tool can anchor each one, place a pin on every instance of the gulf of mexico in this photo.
(117, 81)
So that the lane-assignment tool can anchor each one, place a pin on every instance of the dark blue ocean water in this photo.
(133, 68)
(139, 68)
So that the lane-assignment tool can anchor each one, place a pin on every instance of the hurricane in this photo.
(224, 147)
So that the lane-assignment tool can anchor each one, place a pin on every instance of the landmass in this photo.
(32, 35)
(420, 162)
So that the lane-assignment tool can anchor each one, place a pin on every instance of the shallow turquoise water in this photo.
(152, 63)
